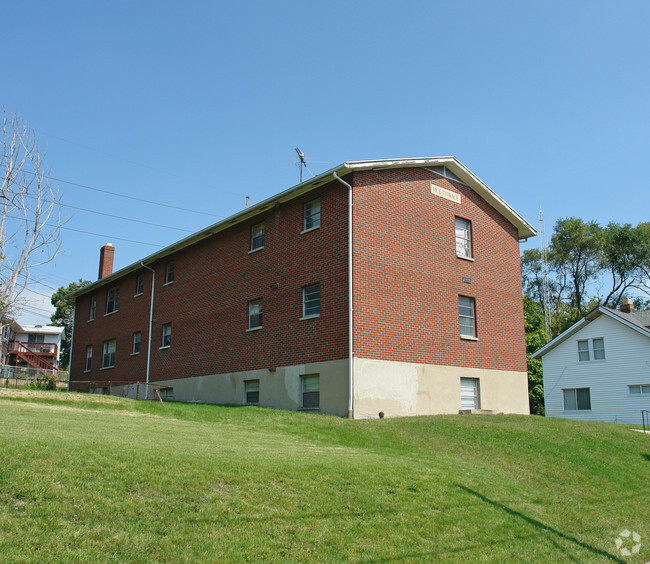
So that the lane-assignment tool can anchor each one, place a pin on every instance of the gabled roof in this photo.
(637, 320)
(452, 164)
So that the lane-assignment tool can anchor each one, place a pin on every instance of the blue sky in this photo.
(199, 104)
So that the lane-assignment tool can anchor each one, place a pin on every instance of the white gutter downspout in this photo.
(74, 314)
(350, 304)
(153, 287)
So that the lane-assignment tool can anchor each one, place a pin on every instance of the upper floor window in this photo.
(254, 314)
(312, 215)
(137, 337)
(639, 389)
(169, 273)
(467, 316)
(112, 299)
(311, 300)
(89, 357)
(591, 349)
(166, 335)
(463, 238)
(108, 358)
(93, 308)
(257, 236)
(577, 398)
(139, 284)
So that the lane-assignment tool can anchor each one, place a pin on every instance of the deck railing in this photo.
(49, 349)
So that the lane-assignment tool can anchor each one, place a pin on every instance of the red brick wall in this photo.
(407, 276)
(207, 304)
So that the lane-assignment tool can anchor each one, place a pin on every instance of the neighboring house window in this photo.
(108, 358)
(137, 337)
(89, 357)
(93, 308)
(639, 389)
(252, 391)
(467, 316)
(254, 314)
(112, 299)
(257, 236)
(167, 335)
(311, 391)
(34, 338)
(169, 273)
(311, 300)
(577, 399)
(463, 238)
(312, 214)
(591, 349)
(139, 284)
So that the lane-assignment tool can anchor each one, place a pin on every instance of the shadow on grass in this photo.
(646, 456)
(541, 526)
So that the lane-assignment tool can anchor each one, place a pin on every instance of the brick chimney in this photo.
(106, 260)
(627, 306)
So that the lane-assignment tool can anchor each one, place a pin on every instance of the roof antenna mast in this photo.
(546, 291)
(302, 163)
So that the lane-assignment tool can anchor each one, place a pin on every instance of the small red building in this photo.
(389, 285)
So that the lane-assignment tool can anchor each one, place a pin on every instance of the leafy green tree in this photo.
(535, 339)
(64, 314)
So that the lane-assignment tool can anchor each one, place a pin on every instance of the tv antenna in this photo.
(302, 162)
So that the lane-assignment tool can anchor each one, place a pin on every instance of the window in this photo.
(254, 314)
(591, 349)
(311, 300)
(93, 308)
(137, 337)
(252, 391)
(311, 391)
(463, 238)
(639, 389)
(35, 338)
(312, 215)
(469, 393)
(166, 335)
(139, 284)
(169, 273)
(257, 237)
(89, 357)
(108, 358)
(112, 299)
(467, 316)
(577, 399)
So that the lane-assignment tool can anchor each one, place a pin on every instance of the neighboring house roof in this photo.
(459, 171)
(37, 329)
(637, 320)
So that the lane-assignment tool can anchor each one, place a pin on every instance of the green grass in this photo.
(100, 479)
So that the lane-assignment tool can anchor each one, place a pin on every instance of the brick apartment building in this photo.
(257, 308)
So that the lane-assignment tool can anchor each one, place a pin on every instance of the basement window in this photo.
(577, 399)
(252, 392)
(310, 391)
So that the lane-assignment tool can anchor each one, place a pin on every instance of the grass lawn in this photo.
(102, 479)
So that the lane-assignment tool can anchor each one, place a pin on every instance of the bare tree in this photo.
(30, 222)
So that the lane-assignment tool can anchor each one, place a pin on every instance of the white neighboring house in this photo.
(36, 346)
(599, 368)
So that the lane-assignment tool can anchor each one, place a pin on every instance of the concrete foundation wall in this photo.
(402, 389)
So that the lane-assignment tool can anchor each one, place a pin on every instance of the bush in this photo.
(43, 383)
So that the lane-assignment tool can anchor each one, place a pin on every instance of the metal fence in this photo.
(20, 376)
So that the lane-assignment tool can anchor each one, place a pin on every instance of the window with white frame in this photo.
(257, 236)
(137, 337)
(112, 299)
(93, 308)
(463, 229)
(639, 389)
(108, 358)
(169, 273)
(591, 349)
(577, 399)
(252, 391)
(166, 335)
(467, 316)
(255, 314)
(310, 391)
(312, 215)
(139, 284)
(89, 357)
(311, 300)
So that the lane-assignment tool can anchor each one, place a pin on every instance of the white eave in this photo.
(524, 228)
(591, 316)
